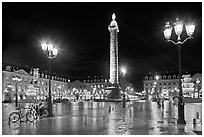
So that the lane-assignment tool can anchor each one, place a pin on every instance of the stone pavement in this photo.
(138, 118)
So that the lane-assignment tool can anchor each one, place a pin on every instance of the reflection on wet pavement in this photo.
(104, 118)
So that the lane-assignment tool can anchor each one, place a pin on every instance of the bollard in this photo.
(194, 121)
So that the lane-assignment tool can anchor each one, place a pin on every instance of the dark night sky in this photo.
(80, 32)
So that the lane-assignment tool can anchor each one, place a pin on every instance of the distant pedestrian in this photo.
(170, 100)
(175, 101)
(159, 102)
(109, 110)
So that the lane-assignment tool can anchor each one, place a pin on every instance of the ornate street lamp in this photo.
(156, 87)
(51, 53)
(59, 91)
(16, 79)
(198, 89)
(167, 34)
(123, 71)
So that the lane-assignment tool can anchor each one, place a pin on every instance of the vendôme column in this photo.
(113, 90)
(113, 28)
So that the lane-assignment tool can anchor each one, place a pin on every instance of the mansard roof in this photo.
(22, 71)
(171, 73)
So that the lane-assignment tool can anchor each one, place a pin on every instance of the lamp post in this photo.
(16, 79)
(51, 53)
(167, 34)
(59, 90)
(156, 83)
(198, 89)
(123, 71)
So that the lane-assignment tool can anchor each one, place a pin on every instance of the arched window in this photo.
(164, 76)
(169, 77)
(174, 76)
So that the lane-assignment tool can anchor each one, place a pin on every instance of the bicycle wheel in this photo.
(14, 117)
(35, 115)
(30, 116)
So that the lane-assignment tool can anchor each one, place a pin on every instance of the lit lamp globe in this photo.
(55, 51)
(167, 31)
(123, 70)
(190, 28)
(178, 28)
(157, 77)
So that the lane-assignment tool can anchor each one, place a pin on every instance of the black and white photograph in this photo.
(101, 68)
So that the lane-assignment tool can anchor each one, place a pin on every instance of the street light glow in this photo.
(44, 46)
(178, 29)
(190, 29)
(55, 51)
(167, 31)
(156, 77)
(50, 47)
(123, 70)
(113, 16)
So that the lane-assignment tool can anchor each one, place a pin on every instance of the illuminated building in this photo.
(167, 84)
(29, 90)
(86, 89)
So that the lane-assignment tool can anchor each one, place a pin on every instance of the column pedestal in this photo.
(113, 93)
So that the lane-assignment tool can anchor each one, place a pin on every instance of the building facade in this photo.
(168, 83)
(30, 88)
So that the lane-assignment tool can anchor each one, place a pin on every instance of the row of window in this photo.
(160, 88)
(162, 77)
(164, 83)
(95, 80)
(41, 82)
(84, 86)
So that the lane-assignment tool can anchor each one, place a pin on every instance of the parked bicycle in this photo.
(18, 115)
